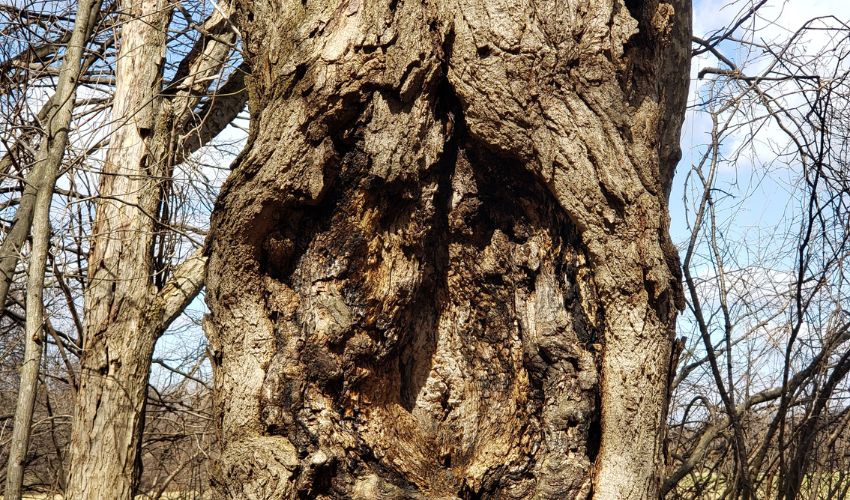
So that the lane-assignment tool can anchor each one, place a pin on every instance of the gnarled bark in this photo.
(441, 268)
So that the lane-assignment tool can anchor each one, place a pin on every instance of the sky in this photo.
(769, 195)
(755, 193)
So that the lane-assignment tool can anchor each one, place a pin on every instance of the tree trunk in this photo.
(33, 343)
(34, 213)
(442, 266)
(125, 310)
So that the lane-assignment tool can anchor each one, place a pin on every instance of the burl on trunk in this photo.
(442, 268)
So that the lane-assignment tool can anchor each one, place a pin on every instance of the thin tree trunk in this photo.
(52, 149)
(442, 266)
(33, 344)
(34, 210)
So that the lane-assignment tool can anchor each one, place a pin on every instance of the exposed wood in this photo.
(441, 268)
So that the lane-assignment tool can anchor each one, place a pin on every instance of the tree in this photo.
(132, 297)
(442, 265)
(34, 211)
(759, 407)
(174, 92)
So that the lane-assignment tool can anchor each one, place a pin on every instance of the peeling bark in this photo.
(442, 266)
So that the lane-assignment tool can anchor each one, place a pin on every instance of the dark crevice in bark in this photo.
(416, 353)
(286, 232)
(476, 378)
(634, 7)
(506, 208)
(297, 76)
(415, 357)
(138, 465)
(594, 436)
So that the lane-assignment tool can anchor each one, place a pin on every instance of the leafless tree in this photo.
(769, 314)
(191, 99)
(34, 210)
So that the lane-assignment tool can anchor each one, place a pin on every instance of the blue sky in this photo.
(756, 193)
(759, 188)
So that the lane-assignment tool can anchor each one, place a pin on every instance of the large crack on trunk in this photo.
(428, 277)
(429, 333)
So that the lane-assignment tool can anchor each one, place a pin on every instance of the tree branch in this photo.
(181, 289)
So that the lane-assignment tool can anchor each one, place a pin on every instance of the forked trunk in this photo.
(442, 266)
(128, 307)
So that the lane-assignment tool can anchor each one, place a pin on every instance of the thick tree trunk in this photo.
(441, 267)
(124, 311)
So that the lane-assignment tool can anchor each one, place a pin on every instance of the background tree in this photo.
(34, 212)
(140, 203)
(760, 404)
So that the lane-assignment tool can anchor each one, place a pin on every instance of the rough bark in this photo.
(125, 312)
(127, 307)
(442, 266)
